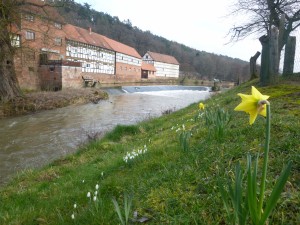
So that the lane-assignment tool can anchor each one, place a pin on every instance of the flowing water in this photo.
(35, 140)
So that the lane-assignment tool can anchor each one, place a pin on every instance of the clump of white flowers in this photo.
(93, 196)
(179, 129)
(135, 153)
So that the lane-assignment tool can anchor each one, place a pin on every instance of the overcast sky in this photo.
(201, 24)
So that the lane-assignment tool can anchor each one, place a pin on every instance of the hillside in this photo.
(171, 182)
(193, 62)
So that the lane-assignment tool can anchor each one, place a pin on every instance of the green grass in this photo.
(168, 185)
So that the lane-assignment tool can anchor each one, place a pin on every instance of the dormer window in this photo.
(58, 25)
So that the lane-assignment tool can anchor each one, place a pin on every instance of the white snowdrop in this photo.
(88, 194)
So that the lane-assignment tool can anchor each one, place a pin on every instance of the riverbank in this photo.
(169, 182)
(38, 101)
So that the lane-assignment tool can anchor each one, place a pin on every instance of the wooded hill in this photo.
(193, 62)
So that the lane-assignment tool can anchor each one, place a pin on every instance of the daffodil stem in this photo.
(265, 163)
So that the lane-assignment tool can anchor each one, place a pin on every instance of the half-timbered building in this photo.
(128, 61)
(166, 66)
(55, 55)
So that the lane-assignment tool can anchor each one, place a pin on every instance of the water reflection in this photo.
(35, 140)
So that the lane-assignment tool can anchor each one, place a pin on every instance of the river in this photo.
(35, 140)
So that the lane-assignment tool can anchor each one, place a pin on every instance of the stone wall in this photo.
(26, 72)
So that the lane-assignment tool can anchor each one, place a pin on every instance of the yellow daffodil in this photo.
(253, 104)
(201, 106)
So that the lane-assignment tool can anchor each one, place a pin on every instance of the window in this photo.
(29, 17)
(58, 41)
(52, 68)
(15, 40)
(29, 35)
(58, 25)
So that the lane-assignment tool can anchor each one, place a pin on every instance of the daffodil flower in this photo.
(253, 104)
(201, 106)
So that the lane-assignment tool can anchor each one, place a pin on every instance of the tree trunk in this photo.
(264, 70)
(274, 56)
(289, 56)
(253, 70)
(9, 87)
(269, 58)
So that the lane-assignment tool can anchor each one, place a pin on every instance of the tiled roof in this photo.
(163, 58)
(85, 36)
(38, 7)
(147, 66)
(122, 48)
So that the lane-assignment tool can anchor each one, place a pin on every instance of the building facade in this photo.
(166, 66)
(41, 38)
(128, 61)
(54, 55)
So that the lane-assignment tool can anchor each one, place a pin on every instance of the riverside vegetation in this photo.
(32, 102)
(167, 170)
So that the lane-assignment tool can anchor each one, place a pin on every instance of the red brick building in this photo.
(41, 38)
(55, 55)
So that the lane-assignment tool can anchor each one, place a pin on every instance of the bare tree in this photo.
(263, 15)
(10, 19)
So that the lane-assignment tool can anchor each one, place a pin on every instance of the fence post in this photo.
(289, 56)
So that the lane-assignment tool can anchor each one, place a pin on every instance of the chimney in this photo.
(90, 30)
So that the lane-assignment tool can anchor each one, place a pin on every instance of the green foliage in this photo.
(233, 198)
(121, 131)
(240, 201)
(255, 212)
(252, 201)
(216, 120)
(127, 208)
(184, 137)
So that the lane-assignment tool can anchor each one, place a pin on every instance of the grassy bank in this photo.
(171, 182)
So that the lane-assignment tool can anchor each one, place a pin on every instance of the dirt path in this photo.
(38, 101)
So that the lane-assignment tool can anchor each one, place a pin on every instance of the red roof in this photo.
(122, 48)
(147, 66)
(85, 36)
(163, 58)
